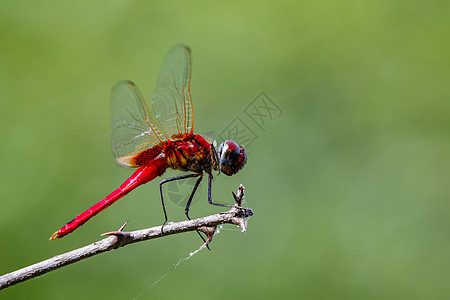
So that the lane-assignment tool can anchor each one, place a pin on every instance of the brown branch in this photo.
(120, 238)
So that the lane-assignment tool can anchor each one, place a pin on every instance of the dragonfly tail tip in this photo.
(54, 236)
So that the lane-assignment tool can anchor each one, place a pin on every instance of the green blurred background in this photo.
(350, 185)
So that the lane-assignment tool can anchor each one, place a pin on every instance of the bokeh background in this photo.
(350, 184)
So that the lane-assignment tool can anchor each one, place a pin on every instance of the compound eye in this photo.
(232, 157)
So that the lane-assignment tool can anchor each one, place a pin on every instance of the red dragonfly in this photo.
(166, 140)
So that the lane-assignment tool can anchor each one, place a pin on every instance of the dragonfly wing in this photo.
(171, 100)
(133, 129)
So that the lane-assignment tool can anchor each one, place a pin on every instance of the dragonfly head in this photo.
(232, 157)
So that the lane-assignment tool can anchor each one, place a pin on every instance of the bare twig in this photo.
(120, 238)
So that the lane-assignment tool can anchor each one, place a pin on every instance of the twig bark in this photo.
(236, 215)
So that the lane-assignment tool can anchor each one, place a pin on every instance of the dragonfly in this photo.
(153, 142)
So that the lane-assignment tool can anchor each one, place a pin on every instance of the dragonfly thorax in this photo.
(191, 153)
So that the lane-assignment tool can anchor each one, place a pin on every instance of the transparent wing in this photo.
(171, 101)
(133, 129)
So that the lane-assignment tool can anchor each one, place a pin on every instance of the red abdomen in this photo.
(142, 175)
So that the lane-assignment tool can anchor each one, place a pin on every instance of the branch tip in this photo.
(123, 226)
(239, 197)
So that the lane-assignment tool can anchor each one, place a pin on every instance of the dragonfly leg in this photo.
(162, 196)
(188, 204)
(209, 193)
(215, 159)
(186, 211)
